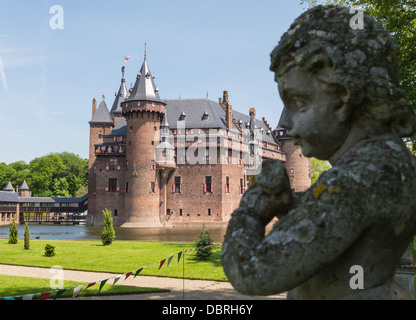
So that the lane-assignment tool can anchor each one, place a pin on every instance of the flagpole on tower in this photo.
(145, 50)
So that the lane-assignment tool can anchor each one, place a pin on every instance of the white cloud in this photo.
(3, 76)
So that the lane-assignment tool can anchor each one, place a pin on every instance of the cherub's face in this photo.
(311, 114)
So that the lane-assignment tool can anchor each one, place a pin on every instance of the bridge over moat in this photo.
(52, 210)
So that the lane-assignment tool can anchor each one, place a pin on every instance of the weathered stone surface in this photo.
(359, 213)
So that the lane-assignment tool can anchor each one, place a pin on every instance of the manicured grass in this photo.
(18, 286)
(120, 257)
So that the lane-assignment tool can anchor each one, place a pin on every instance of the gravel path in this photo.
(179, 289)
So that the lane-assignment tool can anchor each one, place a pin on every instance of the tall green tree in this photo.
(13, 233)
(55, 174)
(108, 233)
(27, 237)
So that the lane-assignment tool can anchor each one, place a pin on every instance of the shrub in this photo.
(108, 234)
(27, 237)
(49, 250)
(204, 244)
(13, 233)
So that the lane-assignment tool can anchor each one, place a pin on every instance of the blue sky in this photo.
(48, 77)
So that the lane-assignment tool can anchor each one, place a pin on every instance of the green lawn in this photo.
(18, 286)
(120, 257)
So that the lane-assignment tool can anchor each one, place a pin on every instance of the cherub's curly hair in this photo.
(362, 60)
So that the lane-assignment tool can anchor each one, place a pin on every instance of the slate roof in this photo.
(121, 95)
(119, 129)
(9, 187)
(7, 196)
(201, 114)
(102, 115)
(24, 186)
(144, 87)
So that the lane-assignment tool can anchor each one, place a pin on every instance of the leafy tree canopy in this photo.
(52, 175)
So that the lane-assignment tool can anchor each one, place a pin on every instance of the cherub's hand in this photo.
(269, 194)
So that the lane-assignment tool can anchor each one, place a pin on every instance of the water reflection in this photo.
(61, 232)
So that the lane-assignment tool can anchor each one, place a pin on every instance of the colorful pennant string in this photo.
(77, 289)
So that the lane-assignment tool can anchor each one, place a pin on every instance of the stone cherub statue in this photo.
(343, 103)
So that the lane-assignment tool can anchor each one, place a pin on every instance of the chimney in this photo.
(252, 111)
(94, 106)
(228, 111)
(225, 96)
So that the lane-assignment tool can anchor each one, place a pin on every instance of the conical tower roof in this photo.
(102, 115)
(24, 186)
(9, 187)
(144, 88)
(120, 96)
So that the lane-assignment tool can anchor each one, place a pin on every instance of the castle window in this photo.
(152, 187)
(153, 165)
(112, 185)
(292, 172)
(207, 157)
(113, 165)
(127, 187)
(241, 186)
(208, 185)
(177, 186)
(227, 184)
(209, 212)
(115, 212)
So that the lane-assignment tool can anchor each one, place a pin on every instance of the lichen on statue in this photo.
(343, 103)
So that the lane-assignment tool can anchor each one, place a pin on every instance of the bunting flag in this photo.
(161, 263)
(77, 289)
(102, 283)
(90, 285)
(137, 272)
(45, 295)
(27, 297)
(116, 279)
(58, 294)
(169, 260)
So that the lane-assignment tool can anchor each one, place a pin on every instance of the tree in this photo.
(108, 234)
(398, 17)
(56, 174)
(27, 237)
(317, 167)
(204, 244)
(60, 187)
(13, 233)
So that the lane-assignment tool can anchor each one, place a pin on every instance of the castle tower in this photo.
(297, 165)
(24, 190)
(143, 111)
(121, 95)
(100, 124)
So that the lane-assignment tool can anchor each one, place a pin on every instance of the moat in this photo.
(81, 232)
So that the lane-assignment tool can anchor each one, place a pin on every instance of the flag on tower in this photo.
(126, 58)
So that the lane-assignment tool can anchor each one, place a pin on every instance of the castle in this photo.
(156, 162)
